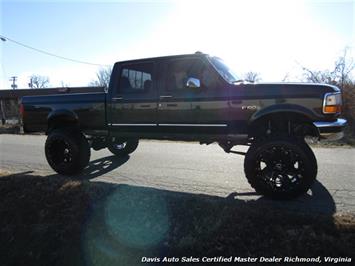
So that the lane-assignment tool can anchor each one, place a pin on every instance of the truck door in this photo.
(134, 103)
(175, 114)
(201, 110)
(210, 104)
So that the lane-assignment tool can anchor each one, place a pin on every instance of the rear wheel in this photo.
(67, 151)
(123, 147)
(280, 168)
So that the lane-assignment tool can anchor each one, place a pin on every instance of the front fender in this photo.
(283, 108)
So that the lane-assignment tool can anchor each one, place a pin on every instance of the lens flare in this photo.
(130, 223)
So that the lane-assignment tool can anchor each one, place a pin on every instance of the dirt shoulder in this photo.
(54, 220)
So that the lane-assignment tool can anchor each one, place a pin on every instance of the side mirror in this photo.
(193, 83)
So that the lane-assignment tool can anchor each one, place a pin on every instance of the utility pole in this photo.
(13, 85)
(31, 83)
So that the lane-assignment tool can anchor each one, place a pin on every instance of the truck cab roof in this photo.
(196, 54)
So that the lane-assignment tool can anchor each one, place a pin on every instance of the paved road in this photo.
(189, 167)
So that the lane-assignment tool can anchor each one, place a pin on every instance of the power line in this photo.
(4, 38)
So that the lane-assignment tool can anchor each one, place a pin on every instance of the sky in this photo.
(273, 38)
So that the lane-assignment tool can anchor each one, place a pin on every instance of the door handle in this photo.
(165, 96)
(171, 105)
(117, 98)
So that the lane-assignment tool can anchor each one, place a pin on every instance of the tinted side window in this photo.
(182, 69)
(136, 78)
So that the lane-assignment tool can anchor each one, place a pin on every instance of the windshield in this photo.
(225, 71)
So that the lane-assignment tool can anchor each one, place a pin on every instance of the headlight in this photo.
(332, 103)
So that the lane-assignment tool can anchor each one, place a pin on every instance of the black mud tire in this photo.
(282, 168)
(67, 151)
(124, 148)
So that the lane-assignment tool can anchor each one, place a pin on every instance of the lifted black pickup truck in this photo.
(193, 97)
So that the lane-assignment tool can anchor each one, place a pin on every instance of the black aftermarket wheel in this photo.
(123, 147)
(67, 152)
(280, 168)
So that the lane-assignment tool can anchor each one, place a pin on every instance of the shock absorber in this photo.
(268, 131)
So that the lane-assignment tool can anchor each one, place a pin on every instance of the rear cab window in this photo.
(136, 78)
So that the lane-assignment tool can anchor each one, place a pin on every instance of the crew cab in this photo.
(193, 97)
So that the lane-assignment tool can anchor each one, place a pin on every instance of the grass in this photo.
(347, 142)
(61, 221)
(10, 129)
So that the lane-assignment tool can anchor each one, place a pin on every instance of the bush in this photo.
(349, 106)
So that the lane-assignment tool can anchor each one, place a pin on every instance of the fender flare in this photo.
(282, 108)
(63, 115)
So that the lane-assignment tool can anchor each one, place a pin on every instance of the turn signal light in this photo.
(332, 103)
(332, 109)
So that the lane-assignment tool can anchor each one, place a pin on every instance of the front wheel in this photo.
(123, 148)
(280, 168)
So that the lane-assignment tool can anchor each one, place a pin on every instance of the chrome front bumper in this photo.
(331, 130)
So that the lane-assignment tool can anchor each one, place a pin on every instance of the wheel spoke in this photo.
(280, 168)
(119, 145)
(267, 156)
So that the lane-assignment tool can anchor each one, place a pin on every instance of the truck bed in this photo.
(89, 108)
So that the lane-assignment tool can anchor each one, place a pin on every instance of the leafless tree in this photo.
(343, 68)
(286, 78)
(102, 77)
(340, 75)
(38, 82)
(63, 84)
(252, 76)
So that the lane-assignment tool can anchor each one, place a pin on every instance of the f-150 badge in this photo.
(249, 107)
